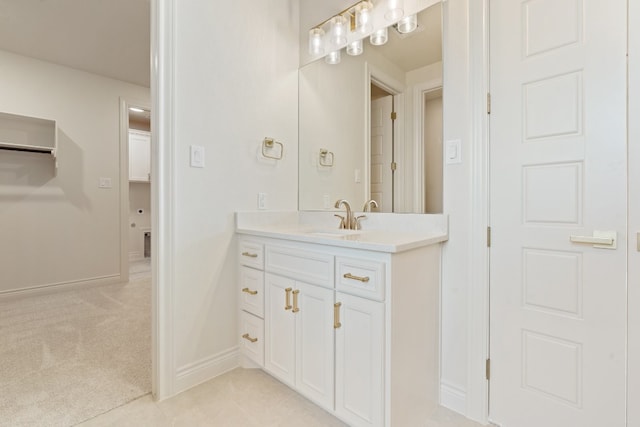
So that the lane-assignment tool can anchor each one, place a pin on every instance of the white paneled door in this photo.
(558, 155)
(381, 156)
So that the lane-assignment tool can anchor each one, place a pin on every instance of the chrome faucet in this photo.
(369, 204)
(346, 221)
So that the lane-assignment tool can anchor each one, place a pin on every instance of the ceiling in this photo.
(106, 37)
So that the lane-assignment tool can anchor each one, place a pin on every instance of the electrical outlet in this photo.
(326, 202)
(357, 176)
(197, 156)
(262, 200)
(105, 183)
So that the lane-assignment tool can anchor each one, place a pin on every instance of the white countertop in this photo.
(383, 232)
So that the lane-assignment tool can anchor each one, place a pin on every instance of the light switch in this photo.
(453, 152)
(262, 200)
(197, 156)
(357, 176)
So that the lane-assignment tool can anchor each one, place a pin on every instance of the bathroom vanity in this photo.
(348, 318)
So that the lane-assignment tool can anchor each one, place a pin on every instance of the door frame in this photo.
(477, 397)
(419, 92)
(396, 89)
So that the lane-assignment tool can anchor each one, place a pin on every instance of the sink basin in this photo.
(336, 232)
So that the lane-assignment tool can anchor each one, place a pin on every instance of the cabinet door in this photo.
(360, 361)
(315, 343)
(139, 156)
(279, 329)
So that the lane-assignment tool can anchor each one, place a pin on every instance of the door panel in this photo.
(279, 358)
(381, 156)
(558, 140)
(315, 344)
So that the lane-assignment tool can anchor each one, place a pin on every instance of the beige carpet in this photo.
(71, 355)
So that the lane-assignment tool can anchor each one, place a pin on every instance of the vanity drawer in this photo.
(360, 277)
(252, 291)
(251, 254)
(252, 337)
(304, 266)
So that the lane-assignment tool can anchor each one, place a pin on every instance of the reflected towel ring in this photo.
(267, 145)
(325, 158)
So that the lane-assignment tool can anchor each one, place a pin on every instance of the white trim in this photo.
(205, 369)
(61, 286)
(477, 403)
(162, 194)
(453, 397)
(419, 91)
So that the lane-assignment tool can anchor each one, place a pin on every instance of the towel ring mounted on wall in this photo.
(268, 145)
(325, 158)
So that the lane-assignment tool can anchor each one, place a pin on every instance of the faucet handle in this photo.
(357, 221)
(369, 204)
(342, 222)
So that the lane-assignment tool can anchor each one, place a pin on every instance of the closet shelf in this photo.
(28, 134)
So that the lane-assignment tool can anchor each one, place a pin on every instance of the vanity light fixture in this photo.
(379, 37)
(355, 48)
(395, 10)
(407, 24)
(363, 18)
(338, 32)
(333, 57)
(316, 42)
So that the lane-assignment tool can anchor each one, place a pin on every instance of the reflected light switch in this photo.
(197, 156)
(453, 152)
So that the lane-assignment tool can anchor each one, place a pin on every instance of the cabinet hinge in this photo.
(394, 166)
(394, 115)
(488, 237)
(487, 369)
(488, 103)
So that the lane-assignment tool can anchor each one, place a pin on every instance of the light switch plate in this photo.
(262, 200)
(105, 183)
(453, 152)
(197, 156)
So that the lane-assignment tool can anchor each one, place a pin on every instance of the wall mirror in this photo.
(350, 144)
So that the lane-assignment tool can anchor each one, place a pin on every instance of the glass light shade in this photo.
(379, 37)
(355, 48)
(395, 10)
(333, 57)
(316, 45)
(363, 18)
(338, 32)
(408, 24)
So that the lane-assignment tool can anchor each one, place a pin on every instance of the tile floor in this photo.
(240, 398)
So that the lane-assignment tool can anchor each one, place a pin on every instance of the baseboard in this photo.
(453, 397)
(205, 369)
(61, 286)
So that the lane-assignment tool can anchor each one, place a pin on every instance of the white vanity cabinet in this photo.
(354, 330)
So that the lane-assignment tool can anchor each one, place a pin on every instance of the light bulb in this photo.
(338, 32)
(355, 48)
(316, 46)
(333, 57)
(394, 10)
(379, 37)
(408, 24)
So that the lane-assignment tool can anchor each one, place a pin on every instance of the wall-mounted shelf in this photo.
(28, 134)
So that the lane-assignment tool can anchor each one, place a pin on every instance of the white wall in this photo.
(58, 227)
(235, 83)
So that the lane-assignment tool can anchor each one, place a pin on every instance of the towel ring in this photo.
(325, 158)
(268, 144)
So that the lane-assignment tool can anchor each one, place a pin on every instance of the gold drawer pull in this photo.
(249, 254)
(336, 315)
(295, 301)
(351, 276)
(248, 338)
(249, 291)
(287, 302)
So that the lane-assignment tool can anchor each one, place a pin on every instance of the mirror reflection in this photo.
(371, 126)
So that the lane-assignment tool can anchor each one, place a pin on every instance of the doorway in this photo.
(381, 147)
